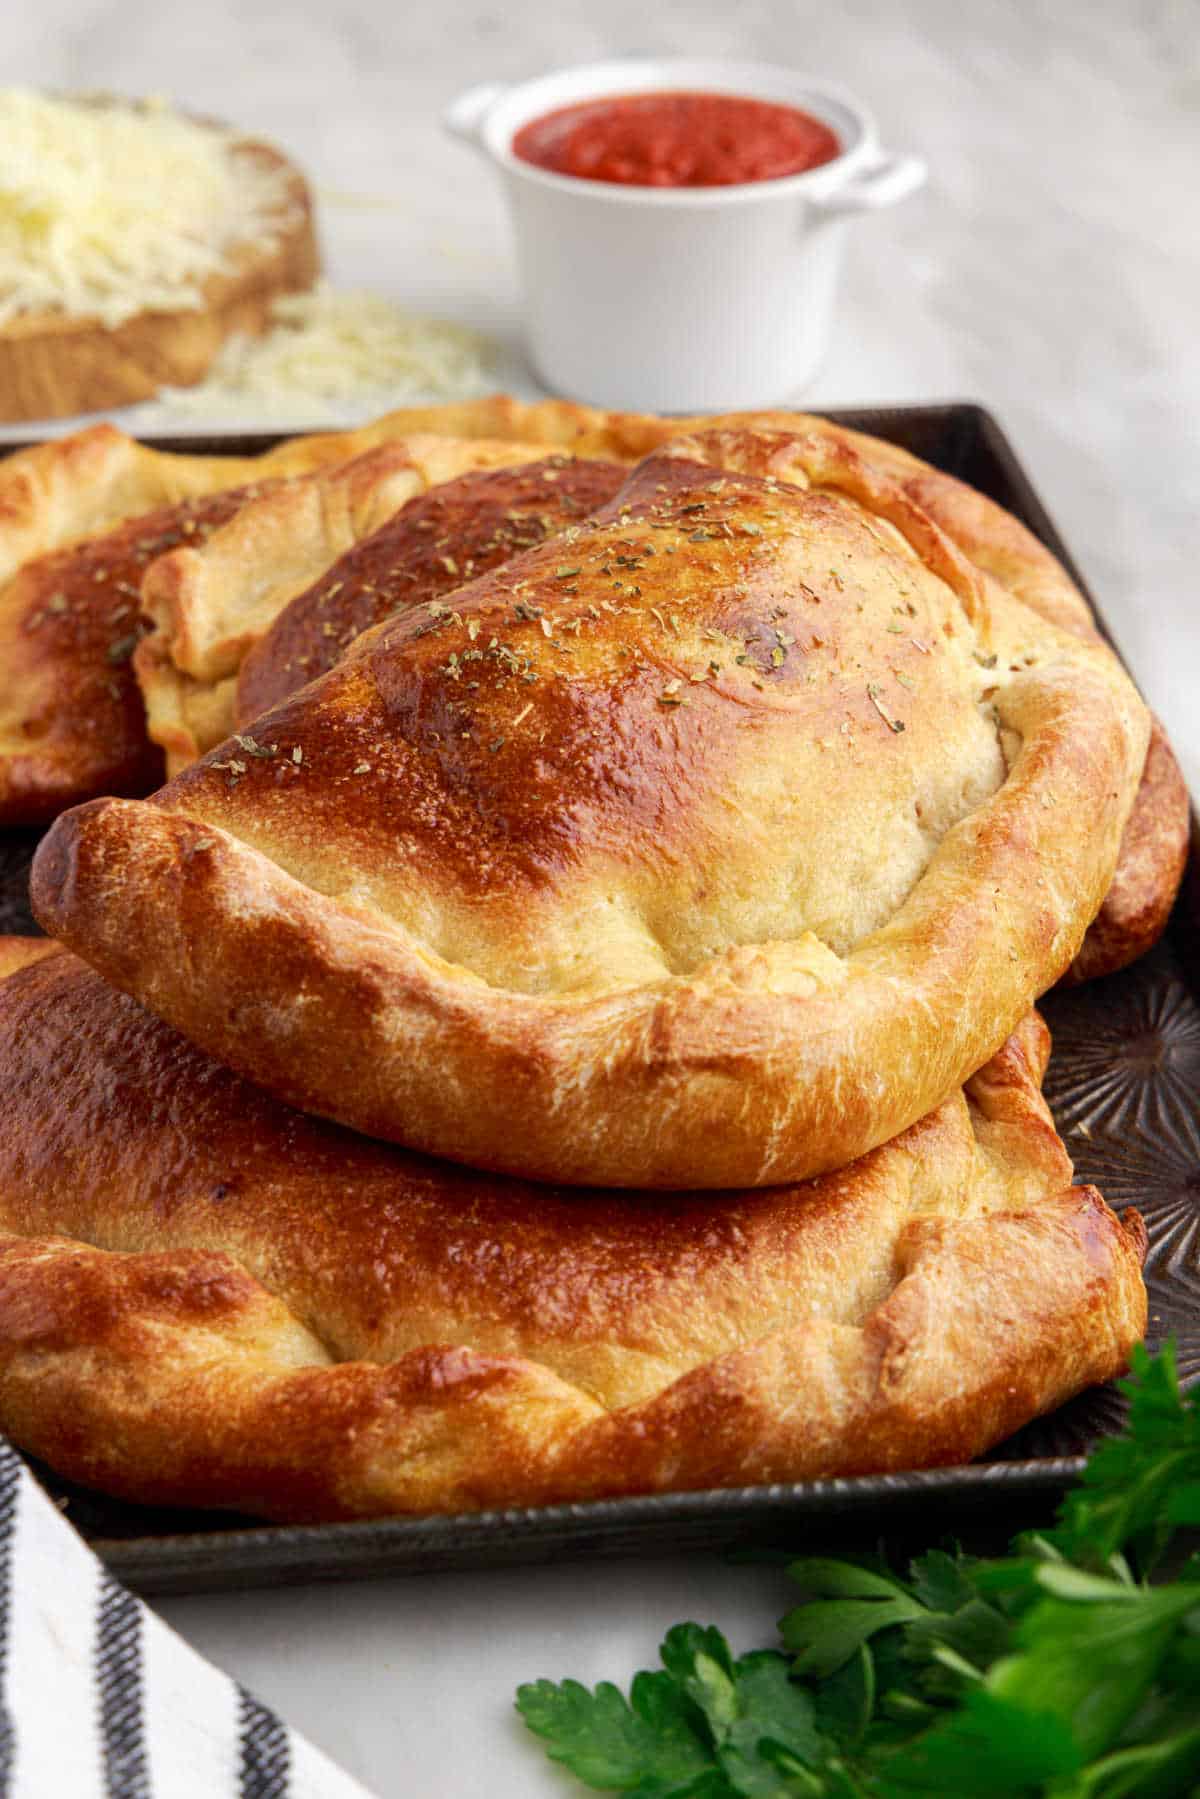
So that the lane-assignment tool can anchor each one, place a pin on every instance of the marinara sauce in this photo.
(676, 140)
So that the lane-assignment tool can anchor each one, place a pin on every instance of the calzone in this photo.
(462, 527)
(208, 1300)
(84, 518)
(709, 844)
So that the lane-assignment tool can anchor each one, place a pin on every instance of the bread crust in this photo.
(78, 488)
(52, 366)
(533, 989)
(72, 722)
(209, 604)
(450, 534)
(1135, 911)
(1150, 867)
(83, 519)
(208, 1300)
(72, 553)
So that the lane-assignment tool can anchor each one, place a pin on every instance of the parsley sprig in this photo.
(1060, 1671)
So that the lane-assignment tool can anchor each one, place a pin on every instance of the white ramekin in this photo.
(681, 299)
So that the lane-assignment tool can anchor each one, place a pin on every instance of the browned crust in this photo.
(71, 717)
(53, 367)
(1149, 869)
(75, 514)
(77, 488)
(994, 540)
(453, 533)
(209, 604)
(207, 1300)
(766, 1060)
(19, 952)
(991, 537)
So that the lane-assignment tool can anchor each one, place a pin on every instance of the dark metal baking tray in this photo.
(1124, 1082)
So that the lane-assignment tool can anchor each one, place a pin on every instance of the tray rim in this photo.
(195, 1561)
(361, 1549)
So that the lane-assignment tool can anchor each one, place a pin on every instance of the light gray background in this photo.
(1051, 270)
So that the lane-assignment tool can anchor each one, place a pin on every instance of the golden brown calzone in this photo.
(206, 1299)
(82, 518)
(396, 564)
(72, 558)
(712, 843)
(209, 603)
(452, 534)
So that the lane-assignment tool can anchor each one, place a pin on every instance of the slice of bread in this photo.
(53, 365)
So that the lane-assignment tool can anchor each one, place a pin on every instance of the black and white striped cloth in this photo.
(99, 1699)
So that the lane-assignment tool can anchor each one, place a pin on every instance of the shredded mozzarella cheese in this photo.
(108, 209)
(328, 352)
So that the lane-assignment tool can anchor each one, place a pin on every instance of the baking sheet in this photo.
(1124, 1084)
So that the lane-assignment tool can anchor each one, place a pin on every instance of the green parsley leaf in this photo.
(706, 1727)
(1149, 1771)
(990, 1746)
(1056, 1672)
(942, 1582)
(1124, 1500)
(1092, 1663)
(826, 1632)
(843, 1703)
(648, 1745)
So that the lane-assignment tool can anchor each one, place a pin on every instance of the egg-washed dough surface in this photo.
(81, 518)
(712, 843)
(452, 534)
(209, 603)
(72, 563)
(190, 714)
(206, 1299)
(84, 517)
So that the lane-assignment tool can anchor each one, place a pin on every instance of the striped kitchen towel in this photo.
(99, 1699)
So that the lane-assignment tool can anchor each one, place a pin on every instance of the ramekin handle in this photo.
(464, 116)
(891, 178)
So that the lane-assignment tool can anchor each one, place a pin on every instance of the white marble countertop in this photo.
(1051, 270)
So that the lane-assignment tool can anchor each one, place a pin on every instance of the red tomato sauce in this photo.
(676, 140)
